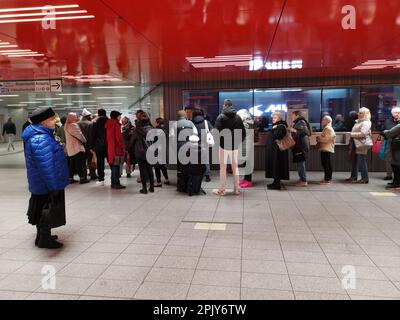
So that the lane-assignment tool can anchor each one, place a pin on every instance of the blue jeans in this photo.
(115, 173)
(301, 169)
(362, 166)
(208, 169)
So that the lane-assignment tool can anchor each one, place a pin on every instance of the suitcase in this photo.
(190, 182)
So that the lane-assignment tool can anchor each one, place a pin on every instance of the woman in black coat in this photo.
(277, 161)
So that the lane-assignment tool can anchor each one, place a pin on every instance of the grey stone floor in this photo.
(292, 244)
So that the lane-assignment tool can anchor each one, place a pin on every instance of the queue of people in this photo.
(56, 153)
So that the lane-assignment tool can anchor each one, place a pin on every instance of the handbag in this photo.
(384, 149)
(286, 143)
(210, 138)
(54, 211)
(377, 147)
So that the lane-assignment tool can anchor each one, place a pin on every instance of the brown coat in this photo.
(326, 141)
(74, 137)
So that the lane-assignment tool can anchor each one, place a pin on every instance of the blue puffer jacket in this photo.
(45, 160)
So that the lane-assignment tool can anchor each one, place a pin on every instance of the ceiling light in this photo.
(49, 99)
(8, 46)
(17, 105)
(9, 95)
(112, 103)
(25, 55)
(44, 13)
(112, 87)
(39, 8)
(14, 51)
(47, 19)
(74, 94)
(63, 104)
(89, 101)
(105, 98)
(31, 102)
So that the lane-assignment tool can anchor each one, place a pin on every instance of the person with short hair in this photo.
(326, 146)
(229, 120)
(47, 169)
(86, 126)
(277, 161)
(389, 124)
(302, 131)
(361, 143)
(393, 136)
(161, 167)
(10, 131)
(116, 148)
(98, 144)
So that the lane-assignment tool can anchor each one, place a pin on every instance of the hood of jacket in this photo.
(198, 119)
(35, 129)
(230, 112)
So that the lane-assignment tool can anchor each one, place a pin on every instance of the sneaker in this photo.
(351, 180)
(362, 181)
(246, 185)
(243, 183)
(302, 184)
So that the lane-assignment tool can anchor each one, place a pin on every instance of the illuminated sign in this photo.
(258, 64)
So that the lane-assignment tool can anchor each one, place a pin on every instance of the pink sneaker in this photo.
(243, 183)
(247, 185)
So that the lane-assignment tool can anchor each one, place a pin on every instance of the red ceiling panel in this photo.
(150, 41)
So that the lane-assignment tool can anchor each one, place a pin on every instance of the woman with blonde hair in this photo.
(361, 143)
(326, 145)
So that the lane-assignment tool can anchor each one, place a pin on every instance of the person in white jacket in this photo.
(362, 142)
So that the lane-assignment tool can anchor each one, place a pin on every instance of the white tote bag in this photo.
(210, 138)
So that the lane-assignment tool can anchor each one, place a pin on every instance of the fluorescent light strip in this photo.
(74, 94)
(99, 80)
(112, 103)
(29, 102)
(9, 95)
(105, 98)
(89, 101)
(220, 60)
(17, 105)
(25, 55)
(112, 87)
(39, 8)
(14, 51)
(8, 46)
(41, 14)
(63, 104)
(47, 19)
(49, 99)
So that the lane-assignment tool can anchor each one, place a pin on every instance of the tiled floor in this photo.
(293, 244)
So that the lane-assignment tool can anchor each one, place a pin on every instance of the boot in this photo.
(45, 241)
(151, 189)
(38, 236)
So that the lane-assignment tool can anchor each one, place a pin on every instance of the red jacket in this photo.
(115, 140)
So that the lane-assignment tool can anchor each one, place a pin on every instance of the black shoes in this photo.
(274, 186)
(84, 181)
(151, 189)
(392, 186)
(117, 187)
(46, 241)
(208, 179)
(129, 175)
(73, 181)
(53, 238)
(143, 191)
(388, 178)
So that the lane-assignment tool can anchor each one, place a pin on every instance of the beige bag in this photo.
(287, 142)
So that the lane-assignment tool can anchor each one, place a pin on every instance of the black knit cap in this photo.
(41, 114)
(115, 114)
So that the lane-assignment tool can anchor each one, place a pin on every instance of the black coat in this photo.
(276, 161)
(199, 122)
(230, 120)
(302, 138)
(99, 136)
(9, 128)
(138, 143)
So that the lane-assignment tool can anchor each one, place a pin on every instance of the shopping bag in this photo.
(377, 147)
(286, 143)
(384, 149)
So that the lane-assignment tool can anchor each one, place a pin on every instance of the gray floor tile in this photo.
(130, 273)
(138, 260)
(264, 266)
(78, 270)
(219, 264)
(217, 278)
(199, 292)
(317, 284)
(176, 262)
(162, 291)
(169, 275)
(320, 296)
(113, 288)
(266, 281)
(310, 269)
(264, 294)
(374, 288)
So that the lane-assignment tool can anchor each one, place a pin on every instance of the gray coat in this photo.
(394, 139)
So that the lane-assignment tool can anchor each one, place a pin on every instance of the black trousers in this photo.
(396, 174)
(146, 174)
(77, 165)
(327, 165)
(161, 168)
(101, 160)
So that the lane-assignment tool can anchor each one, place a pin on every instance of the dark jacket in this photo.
(86, 127)
(99, 138)
(199, 122)
(231, 121)
(302, 138)
(138, 142)
(277, 161)
(393, 135)
(9, 128)
(45, 161)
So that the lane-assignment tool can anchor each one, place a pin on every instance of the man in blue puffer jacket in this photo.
(47, 176)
